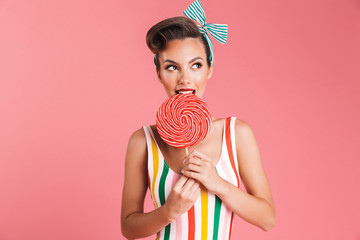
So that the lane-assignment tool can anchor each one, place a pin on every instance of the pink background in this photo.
(76, 79)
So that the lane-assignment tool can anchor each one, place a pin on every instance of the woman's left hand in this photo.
(198, 166)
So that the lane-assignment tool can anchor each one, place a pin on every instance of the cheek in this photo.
(163, 77)
(201, 79)
(167, 79)
(166, 76)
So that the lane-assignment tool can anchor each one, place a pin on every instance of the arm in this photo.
(134, 222)
(255, 206)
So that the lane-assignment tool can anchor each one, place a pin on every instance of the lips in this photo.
(185, 91)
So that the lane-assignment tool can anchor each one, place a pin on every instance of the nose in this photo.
(184, 78)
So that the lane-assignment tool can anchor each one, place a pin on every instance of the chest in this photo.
(211, 146)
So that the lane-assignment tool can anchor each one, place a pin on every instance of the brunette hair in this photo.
(171, 29)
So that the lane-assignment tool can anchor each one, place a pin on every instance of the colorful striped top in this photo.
(209, 218)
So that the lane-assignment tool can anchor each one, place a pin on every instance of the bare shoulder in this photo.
(242, 125)
(135, 180)
(239, 123)
(138, 138)
(246, 144)
(243, 130)
(136, 150)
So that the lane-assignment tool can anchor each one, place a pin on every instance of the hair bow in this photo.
(218, 31)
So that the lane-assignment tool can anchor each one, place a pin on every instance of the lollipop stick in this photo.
(187, 151)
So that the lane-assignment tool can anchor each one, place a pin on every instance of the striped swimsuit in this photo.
(209, 218)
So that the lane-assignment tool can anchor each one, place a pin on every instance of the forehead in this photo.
(183, 49)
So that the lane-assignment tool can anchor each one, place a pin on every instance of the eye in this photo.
(171, 68)
(197, 65)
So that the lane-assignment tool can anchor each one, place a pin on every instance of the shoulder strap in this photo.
(231, 146)
(147, 136)
(153, 162)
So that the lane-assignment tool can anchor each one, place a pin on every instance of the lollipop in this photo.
(183, 120)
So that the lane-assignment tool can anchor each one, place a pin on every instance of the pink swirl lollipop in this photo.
(183, 120)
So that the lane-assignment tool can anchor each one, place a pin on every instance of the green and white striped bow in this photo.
(218, 31)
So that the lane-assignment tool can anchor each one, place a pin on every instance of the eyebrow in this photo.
(170, 61)
(192, 60)
(197, 58)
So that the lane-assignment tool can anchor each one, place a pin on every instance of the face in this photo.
(183, 67)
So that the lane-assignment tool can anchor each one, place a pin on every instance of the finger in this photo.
(180, 183)
(193, 175)
(192, 168)
(193, 160)
(188, 185)
(195, 187)
(200, 155)
(192, 191)
(195, 193)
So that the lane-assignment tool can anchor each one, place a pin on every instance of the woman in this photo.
(195, 195)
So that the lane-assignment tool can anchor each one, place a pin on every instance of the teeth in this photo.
(185, 92)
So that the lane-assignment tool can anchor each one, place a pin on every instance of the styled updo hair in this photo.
(170, 29)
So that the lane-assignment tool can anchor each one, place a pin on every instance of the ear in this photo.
(210, 71)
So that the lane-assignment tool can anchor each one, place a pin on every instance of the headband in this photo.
(218, 31)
